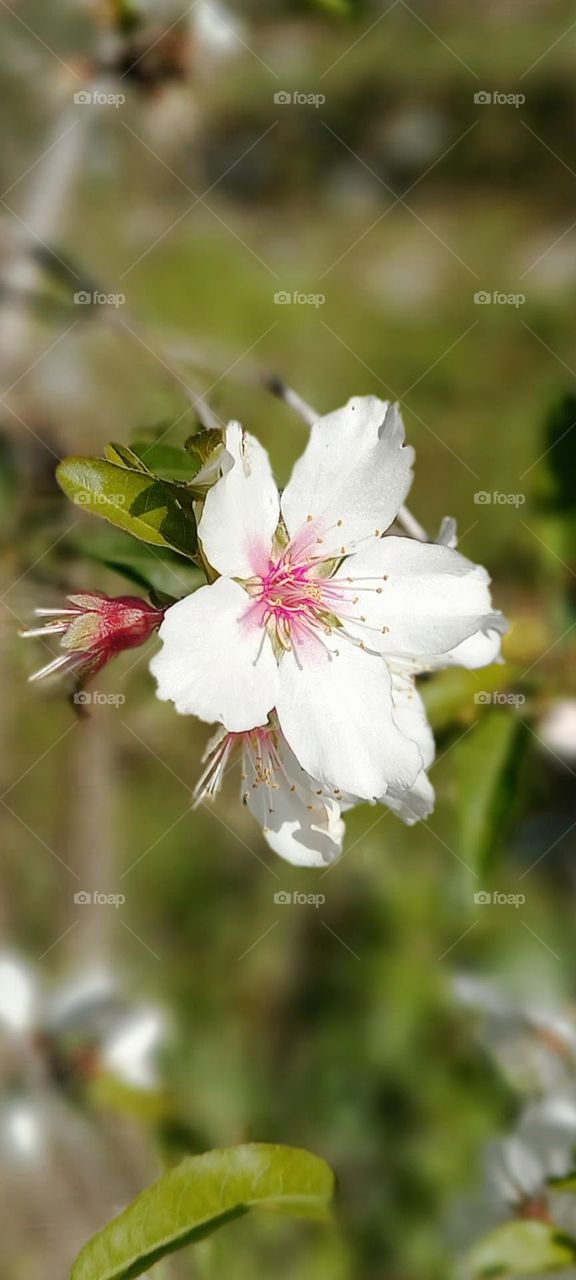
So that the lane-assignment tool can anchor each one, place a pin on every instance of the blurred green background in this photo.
(396, 200)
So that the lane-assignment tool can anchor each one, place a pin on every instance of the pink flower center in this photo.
(294, 598)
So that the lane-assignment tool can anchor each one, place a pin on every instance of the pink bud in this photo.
(93, 629)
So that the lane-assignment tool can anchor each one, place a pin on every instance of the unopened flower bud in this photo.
(93, 628)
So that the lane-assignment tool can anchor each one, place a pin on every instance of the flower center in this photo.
(292, 599)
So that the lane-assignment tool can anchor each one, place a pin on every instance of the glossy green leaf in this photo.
(148, 508)
(488, 763)
(522, 1248)
(200, 1195)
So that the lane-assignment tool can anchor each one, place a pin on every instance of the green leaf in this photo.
(566, 1183)
(145, 1105)
(162, 572)
(127, 14)
(200, 1195)
(522, 1248)
(124, 457)
(488, 762)
(148, 508)
(166, 461)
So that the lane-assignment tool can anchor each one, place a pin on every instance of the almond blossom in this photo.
(301, 819)
(314, 612)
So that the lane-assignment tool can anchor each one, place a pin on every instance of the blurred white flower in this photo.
(129, 1051)
(557, 729)
(17, 995)
(532, 1038)
(22, 1130)
(218, 32)
(316, 610)
(515, 1174)
(87, 1023)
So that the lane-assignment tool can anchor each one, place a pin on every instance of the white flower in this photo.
(300, 819)
(312, 597)
(88, 1011)
(529, 1034)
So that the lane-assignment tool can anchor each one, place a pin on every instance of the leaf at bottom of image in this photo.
(198, 1196)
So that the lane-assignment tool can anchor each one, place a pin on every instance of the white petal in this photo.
(410, 715)
(414, 804)
(241, 510)
(213, 663)
(417, 801)
(479, 650)
(352, 477)
(337, 715)
(412, 598)
(299, 819)
(515, 1170)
